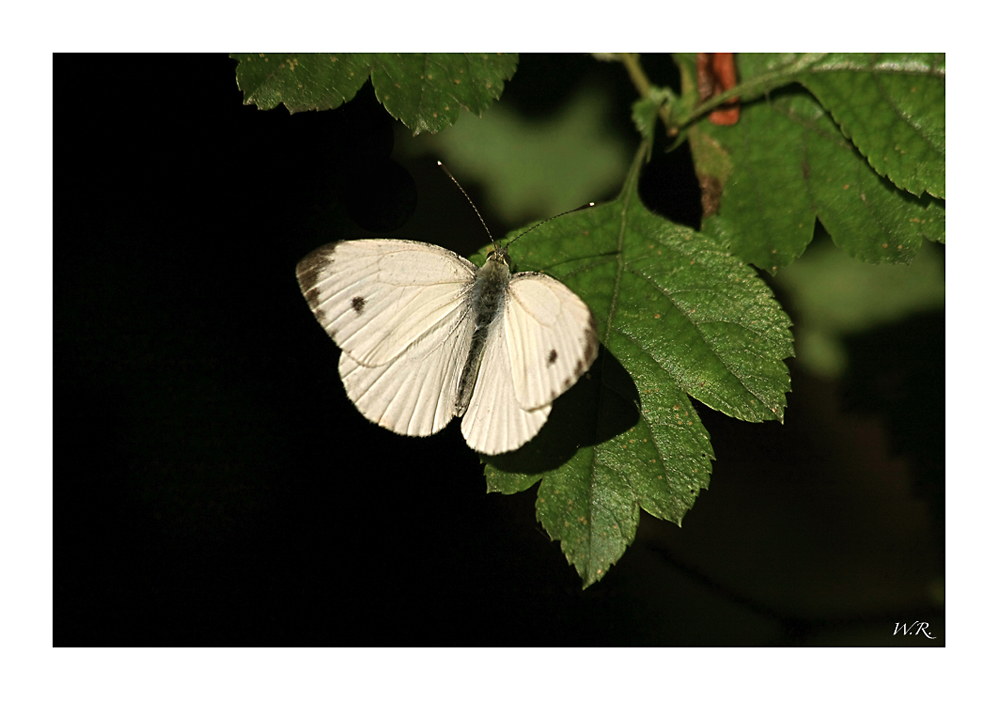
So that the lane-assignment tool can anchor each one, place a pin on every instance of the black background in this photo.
(214, 486)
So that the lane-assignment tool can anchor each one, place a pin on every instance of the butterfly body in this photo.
(427, 336)
(487, 297)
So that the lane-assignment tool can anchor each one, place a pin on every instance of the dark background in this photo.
(214, 486)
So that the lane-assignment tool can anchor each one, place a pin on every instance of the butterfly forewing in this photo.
(400, 313)
(379, 298)
(551, 335)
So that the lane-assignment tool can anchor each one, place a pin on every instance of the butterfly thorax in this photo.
(488, 296)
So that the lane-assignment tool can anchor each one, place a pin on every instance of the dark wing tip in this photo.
(310, 269)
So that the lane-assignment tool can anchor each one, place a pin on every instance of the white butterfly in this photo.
(427, 336)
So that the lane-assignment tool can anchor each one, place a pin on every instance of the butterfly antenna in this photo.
(585, 206)
(448, 173)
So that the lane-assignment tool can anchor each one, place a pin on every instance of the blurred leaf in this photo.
(835, 295)
(713, 166)
(423, 91)
(678, 316)
(530, 167)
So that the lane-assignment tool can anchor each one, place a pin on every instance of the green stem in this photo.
(638, 77)
(709, 106)
(748, 89)
(751, 88)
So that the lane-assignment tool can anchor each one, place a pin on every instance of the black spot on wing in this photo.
(552, 357)
(357, 304)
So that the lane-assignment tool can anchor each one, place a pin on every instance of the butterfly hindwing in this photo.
(413, 394)
(495, 422)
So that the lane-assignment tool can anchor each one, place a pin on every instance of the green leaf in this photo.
(892, 107)
(645, 112)
(678, 316)
(424, 91)
(301, 81)
(790, 163)
(508, 482)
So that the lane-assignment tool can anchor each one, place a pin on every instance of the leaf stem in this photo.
(644, 86)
